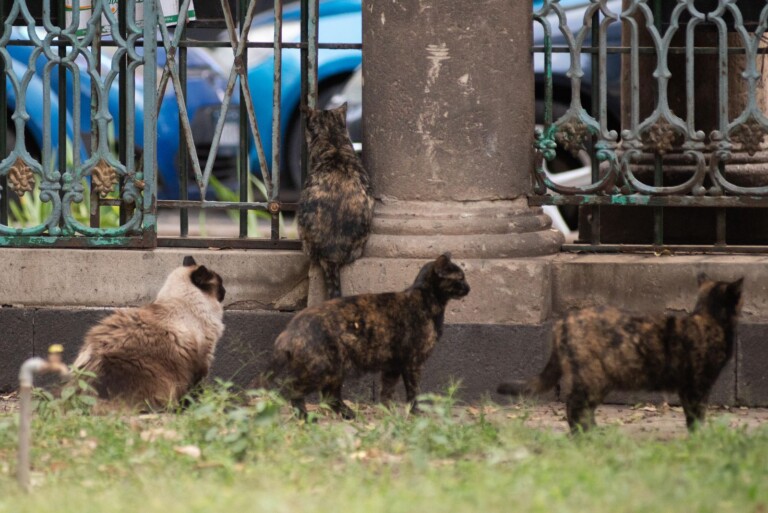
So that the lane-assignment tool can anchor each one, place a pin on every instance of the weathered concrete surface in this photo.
(647, 283)
(115, 278)
(437, 123)
(498, 332)
(503, 291)
(752, 364)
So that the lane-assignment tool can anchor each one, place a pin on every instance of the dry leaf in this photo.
(192, 451)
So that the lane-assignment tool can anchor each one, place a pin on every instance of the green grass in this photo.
(256, 457)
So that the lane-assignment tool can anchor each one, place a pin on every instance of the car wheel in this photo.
(290, 176)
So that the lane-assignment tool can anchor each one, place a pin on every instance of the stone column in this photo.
(448, 103)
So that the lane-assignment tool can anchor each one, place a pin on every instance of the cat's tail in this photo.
(332, 275)
(546, 380)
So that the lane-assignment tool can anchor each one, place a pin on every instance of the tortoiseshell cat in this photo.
(153, 355)
(393, 333)
(596, 350)
(336, 205)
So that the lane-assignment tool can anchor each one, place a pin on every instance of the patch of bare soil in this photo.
(645, 421)
(657, 421)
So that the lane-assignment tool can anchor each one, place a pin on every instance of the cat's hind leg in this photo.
(580, 411)
(388, 383)
(300, 408)
(332, 393)
(695, 408)
(411, 378)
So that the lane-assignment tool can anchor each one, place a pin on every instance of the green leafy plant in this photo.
(30, 210)
(76, 396)
(256, 191)
(229, 420)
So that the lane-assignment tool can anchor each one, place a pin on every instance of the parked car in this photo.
(340, 21)
(206, 83)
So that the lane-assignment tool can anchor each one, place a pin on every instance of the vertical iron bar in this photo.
(276, 110)
(62, 94)
(304, 89)
(183, 149)
(658, 171)
(309, 33)
(4, 150)
(723, 94)
(595, 58)
(149, 154)
(122, 151)
(548, 87)
(95, 207)
(720, 221)
(242, 8)
(312, 33)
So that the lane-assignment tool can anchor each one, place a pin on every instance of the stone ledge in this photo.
(254, 279)
(647, 283)
(503, 291)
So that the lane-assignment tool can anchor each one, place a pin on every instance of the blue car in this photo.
(205, 84)
(340, 21)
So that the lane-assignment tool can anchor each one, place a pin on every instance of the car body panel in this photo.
(340, 21)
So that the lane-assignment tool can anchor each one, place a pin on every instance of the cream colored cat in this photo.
(153, 355)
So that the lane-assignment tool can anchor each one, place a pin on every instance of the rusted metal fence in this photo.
(652, 122)
(112, 138)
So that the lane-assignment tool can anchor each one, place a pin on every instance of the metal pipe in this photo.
(29, 368)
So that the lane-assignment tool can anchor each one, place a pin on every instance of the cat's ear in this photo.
(736, 287)
(702, 277)
(189, 261)
(342, 109)
(442, 263)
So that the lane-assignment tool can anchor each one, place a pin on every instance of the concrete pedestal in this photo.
(449, 145)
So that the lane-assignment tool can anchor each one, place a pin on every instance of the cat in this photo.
(596, 350)
(392, 332)
(153, 355)
(336, 204)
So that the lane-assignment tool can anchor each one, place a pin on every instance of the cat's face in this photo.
(190, 277)
(445, 277)
(321, 123)
(720, 297)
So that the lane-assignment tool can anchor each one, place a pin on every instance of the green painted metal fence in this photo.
(73, 172)
(652, 122)
(48, 184)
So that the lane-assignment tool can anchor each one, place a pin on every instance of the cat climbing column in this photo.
(448, 104)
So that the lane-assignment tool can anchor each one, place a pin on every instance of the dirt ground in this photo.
(657, 421)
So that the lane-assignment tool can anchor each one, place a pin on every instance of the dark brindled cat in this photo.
(153, 355)
(336, 206)
(596, 350)
(392, 332)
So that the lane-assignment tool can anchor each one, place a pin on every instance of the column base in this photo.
(501, 245)
(466, 229)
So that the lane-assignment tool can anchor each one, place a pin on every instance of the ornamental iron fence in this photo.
(652, 122)
(125, 119)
